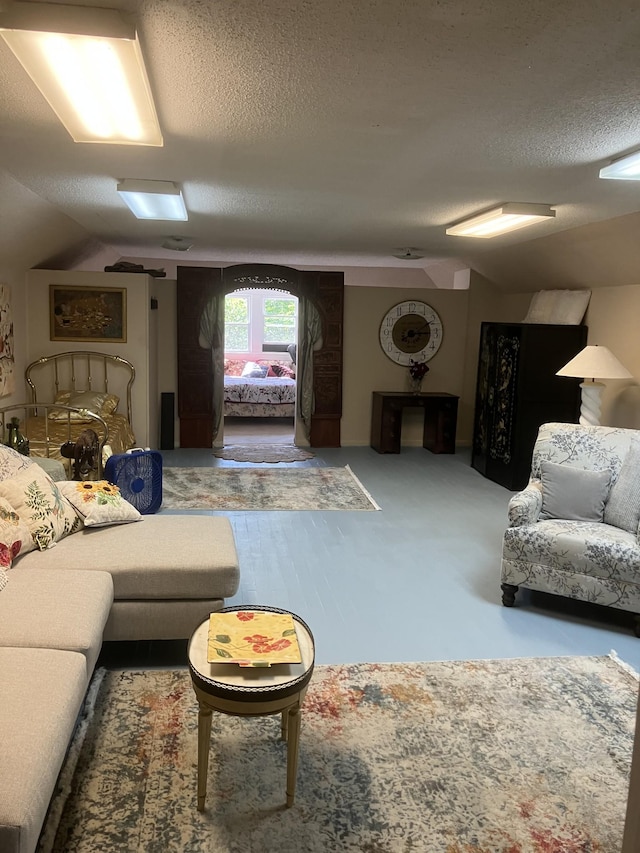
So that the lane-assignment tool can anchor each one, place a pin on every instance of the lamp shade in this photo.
(595, 362)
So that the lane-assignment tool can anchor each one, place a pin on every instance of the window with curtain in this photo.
(260, 321)
(279, 320)
(237, 323)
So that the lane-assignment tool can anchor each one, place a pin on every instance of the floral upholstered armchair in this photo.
(573, 530)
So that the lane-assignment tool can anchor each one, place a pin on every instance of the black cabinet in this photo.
(517, 391)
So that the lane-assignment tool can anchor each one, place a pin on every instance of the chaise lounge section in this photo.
(157, 577)
(169, 571)
(51, 626)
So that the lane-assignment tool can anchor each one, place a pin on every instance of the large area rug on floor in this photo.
(264, 488)
(263, 453)
(503, 755)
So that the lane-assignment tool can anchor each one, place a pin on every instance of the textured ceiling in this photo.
(337, 133)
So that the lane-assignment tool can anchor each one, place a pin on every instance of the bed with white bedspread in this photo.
(262, 395)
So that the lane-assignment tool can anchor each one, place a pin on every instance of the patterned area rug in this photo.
(510, 756)
(263, 453)
(264, 488)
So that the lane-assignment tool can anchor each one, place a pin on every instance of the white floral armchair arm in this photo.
(524, 507)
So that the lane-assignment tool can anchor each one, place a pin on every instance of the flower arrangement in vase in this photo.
(417, 371)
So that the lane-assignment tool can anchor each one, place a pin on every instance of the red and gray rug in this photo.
(263, 453)
(518, 756)
(316, 488)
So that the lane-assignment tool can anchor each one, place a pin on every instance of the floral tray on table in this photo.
(252, 638)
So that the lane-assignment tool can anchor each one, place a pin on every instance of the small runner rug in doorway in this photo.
(530, 755)
(263, 453)
(264, 489)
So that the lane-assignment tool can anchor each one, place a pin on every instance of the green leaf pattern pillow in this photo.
(41, 506)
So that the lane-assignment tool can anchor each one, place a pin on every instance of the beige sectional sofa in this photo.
(51, 627)
(156, 578)
(169, 571)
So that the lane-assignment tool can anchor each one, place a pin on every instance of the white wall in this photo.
(151, 346)
(366, 368)
(30, 231)
(612, 318)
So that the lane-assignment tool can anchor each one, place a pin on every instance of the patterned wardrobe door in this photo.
(504, 397)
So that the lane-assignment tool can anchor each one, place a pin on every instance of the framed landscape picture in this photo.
(88, 313)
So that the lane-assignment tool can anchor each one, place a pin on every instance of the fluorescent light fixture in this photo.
(153, 199)
(625, 169)
(88, 64)
(499, 220)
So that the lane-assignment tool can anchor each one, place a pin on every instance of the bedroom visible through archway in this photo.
(260, 346)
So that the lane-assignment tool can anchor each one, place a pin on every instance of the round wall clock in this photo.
(410, 331)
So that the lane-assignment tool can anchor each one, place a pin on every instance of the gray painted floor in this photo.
(418, 580)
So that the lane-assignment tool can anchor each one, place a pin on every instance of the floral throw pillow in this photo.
(283, 371)
(11, 462)
(233, 367)
(15, 536)
(35, 498)
(98, 502)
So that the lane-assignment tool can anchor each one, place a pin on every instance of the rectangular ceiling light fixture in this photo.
(153, 199)
(625, 169)
(88, 64)
(507, 217)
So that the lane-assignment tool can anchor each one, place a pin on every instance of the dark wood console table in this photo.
(440, 419)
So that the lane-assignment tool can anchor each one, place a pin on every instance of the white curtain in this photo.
(212, 337)
(310, 337)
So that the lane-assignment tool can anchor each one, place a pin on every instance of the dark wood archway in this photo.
(196, 285)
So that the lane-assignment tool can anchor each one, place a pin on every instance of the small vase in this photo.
(415, 385)
(15, 438)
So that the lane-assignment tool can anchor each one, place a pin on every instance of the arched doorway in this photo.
(261, 340)
(200, 294)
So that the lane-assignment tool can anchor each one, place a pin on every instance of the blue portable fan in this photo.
(138, 475)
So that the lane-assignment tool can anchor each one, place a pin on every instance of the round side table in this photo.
(250, 692)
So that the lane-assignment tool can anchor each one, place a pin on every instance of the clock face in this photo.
(410, 331)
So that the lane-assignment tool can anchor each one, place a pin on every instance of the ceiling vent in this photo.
(178, 244)
(408, 254)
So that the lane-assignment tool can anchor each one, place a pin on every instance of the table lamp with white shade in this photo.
(592, 363)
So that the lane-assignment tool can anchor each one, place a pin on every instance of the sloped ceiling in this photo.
(337, 133)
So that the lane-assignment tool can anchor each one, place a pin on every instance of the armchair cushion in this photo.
(623, 506)
(573, 493)
(572, 549)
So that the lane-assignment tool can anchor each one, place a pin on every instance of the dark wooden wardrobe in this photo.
(517, 391)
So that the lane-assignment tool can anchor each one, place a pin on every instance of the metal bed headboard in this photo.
(49, 445)
(70, 370)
